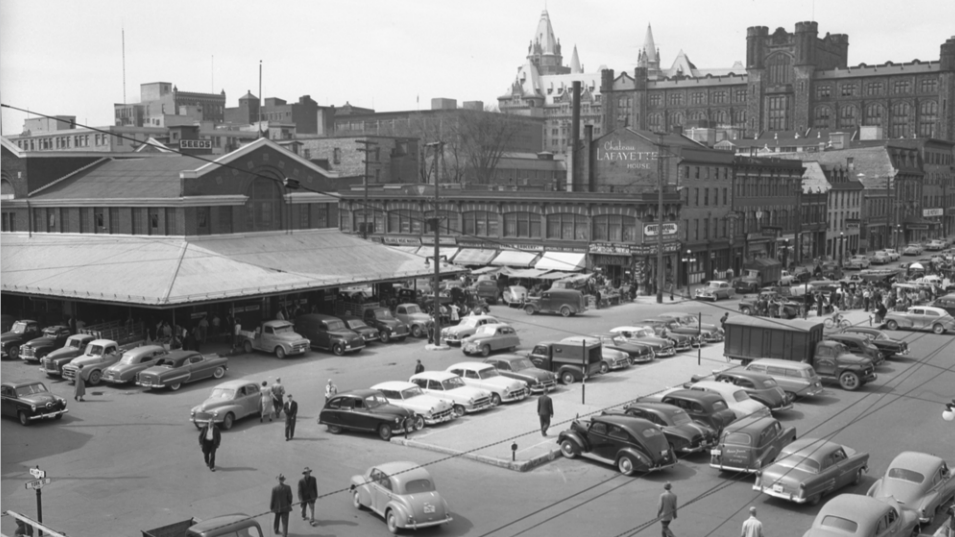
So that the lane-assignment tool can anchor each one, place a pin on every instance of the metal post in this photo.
(438, 148)
(39, 510)
(660, 169)
(583, 377)
(699, 333)
(367, 144)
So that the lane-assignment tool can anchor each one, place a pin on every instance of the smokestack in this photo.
(587, 155)
(575, 119)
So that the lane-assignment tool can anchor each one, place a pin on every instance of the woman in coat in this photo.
(80, 385)
(265, 402)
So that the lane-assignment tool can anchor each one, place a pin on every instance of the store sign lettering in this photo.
(404, 241)
(928, 213)
(617, 151)
(651, 249)
(609, 248)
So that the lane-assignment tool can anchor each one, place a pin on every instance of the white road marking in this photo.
(536, 445)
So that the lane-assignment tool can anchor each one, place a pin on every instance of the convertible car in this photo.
(401, 492)
(809, 468)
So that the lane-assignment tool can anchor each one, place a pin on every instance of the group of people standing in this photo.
(281, 502)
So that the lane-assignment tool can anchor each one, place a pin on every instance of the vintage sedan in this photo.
(611, 359)
(759, 386)
(403, 493)
(181, 367)
(466, 399)
(889, 347)
(29, 400)
(428, 409)
(706, 408)
(746, 445)
(645, 335)
(744, 286)
(797, 379)
(913, 249)
(490, 337)
(683, 434)
(636, 352)
(736, 398)
(486, 377)
(881, 257)
(631, 444)
(715, 290)
(368, 411)
(133, 362)
(935, 245)
(229, 401)
(52, 364)
(861, 516)
(893, 254)
(920, 318)
(856, 262)
(522, 368)
(683, 337)
(859, 345)
(810, 468)
(918, 481)
(711, 333)
(366, 332)
(453, 335)
(52, 338)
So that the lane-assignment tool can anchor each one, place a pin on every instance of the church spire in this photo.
(544, 36)
(575, 66)
(649, 47)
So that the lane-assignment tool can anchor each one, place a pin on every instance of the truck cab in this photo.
(99, 354)
(389, 328)
(832, 360)
(237, 525)
(275, 336)
(19, 333)
(415, 319)
(52, 364)
(570, 363)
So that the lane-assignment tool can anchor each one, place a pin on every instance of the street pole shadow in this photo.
(236, 469)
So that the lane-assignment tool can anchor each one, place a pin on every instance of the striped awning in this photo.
(554, 275)
(474, 256)
(515, 258)
(526, 273)
(562, 261)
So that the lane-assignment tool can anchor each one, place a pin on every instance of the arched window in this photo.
(480, 223)
(522, 224)
(848, 116)
(655, 122)
(822, 117)
(676, 118)
(901, 113)
(263, 210)
(568, 227)
(873, 115)
(780, 69)
(615, 228)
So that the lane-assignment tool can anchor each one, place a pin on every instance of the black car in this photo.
(637, 352)
(54, 337)
(631, 444)
(759, 386)
(21, 332)
(366, 410)
(683, 434)
(707, 408)
(859, 345)
(29, 400)
(788, 307)
(388, 326)
(366, 332)
(888, 346)
(522, 368)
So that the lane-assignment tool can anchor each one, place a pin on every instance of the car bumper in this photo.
(542, 387)
(810, 391)
(416, 525)
(712, 337)
(478, 407)
(114, 379)
(781, 495)
(682, 346)
(152, 384)
(697, 449)
(451, 340)
(729, 468)
(48, 415)
(517, 395)
(623, 364)
(641, 359)
(441, 418)
(870, 377)
(50, 371)
(782, 408)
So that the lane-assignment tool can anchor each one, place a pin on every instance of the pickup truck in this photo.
(224, 526)
(802, 340)
(52, 364)
(415, 319)
(570, 362)
(52, 338)
(99, 354)
(21, 332)
(389, 328)
(274, 336)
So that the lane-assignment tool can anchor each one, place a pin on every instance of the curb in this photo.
(517, 466)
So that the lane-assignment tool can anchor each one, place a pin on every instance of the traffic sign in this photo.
(37, 483)
(669, 228)
(37, 473)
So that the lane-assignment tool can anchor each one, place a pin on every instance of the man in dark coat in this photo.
(419, 368)
(291, 413)
(308, 493)
(545, 411)
(281, 505)
(209, 438)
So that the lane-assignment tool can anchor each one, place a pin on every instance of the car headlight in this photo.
(215, 413)
(192, 412)
(398, 420)
(471, 401)
(33, 408)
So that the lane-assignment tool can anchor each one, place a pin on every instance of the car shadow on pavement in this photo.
(34, 443)
(789, 415)
(818, 400)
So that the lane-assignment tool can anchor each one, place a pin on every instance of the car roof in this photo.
(737, 372)
(403, 471)
(318, 316)
(275, 323)
(693, 394)
(751, 423)
(505, 358)
(665, 408)
(859, 508)
(224, 522)
(434, 375)
(718, 281)
(238, 383)
(361, 393)
(469, 365)
(814, 449)
(175, 355)
(142, 349)
(923, 463)
(717, 386)
(776, 362)
(850, 337)
(939, 311)
(632, 424)
(20, 382)
(397, 385)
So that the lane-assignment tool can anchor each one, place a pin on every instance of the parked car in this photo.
(636, 352)
(486, 289)
(809, 468)
(428, 409)
(21, 332)
(683, 338)
(229, 401)
(920, 318)
(465, 399)
(746, 445)
(646, 336)
(745, 286)
(706, 408)
(181, 367)
(856, 262)
(935, 244)
(522, 368)
(486, 377)
(514, 294)
(51, 338)
(566, 302)
(610, 359)
(631, 444)
(29, 400)
(715, 290)
(860, 516)
(277, 337)
(787, 307)
(414, 318)
(711, 333)
(328, 333)
(736, 398)
(366, 332)
(489, 338)
(913, 249)
(452, 335)
(946, 303)
(683, 434)
(52, 364)
(389, 328)
(403, 493)
(786, 278)
(888, 346)
(133, 362)
(367, 411)
(859, 345)
(919, 481)
(797, 379)
(881, 257)
(759, 386)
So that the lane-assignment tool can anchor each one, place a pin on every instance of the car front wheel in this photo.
(567, 378)
(495, 399)
(938, 329)
(569, 449)
(338, 349)
(418, 423)
(280, 353)
(97, 375)
(849, 381)
(458, 411)
(334, 429)
(385, 431)
(384, 336)
(22, 416)
(529, 310)
(219, 372)
(356, 501)
(392, 520)
(485, 350)
(892, 325)
(565, 311)
(604, 368)
(228, 421)
(247, 347)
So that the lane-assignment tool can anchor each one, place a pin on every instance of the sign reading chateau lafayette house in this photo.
(621, 150)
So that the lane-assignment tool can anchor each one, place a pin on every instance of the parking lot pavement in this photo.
(497, 429)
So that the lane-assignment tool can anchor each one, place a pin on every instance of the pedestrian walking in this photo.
(291, 413)
(666, 510)
(545, 411)
(330, 390)
(752, 527)
(278, 392)
(265, 402)
(209, 438)
(308, 493)
(418, 368)
(80, 389)
(281, 505)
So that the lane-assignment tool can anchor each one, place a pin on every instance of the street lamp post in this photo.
(842, 246)
(687, 257)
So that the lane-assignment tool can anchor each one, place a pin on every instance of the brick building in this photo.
(396, 160)
(158, 101)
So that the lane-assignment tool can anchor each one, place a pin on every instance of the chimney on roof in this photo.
(839, 140)
(850, 164)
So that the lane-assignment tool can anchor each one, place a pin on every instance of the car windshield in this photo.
(839, 523)
(413, 308)
(375, 401)
(31, 389)
(130, 358)
(489, 373)
(355, 324)
(410, 392)
(94, 350)
(452, 383)
(485, 330)
(19, 328)
(520, 365)
(643, 332)
(222, 393)
(468, 321)
(618, 339)
(905, 475)
(740, 395)
(799, 462)
(75, 343)
(382, 313)
(335, 325)
(50, 331)
(680, 417)
(419, 485)
(287, 329)
(740, 439)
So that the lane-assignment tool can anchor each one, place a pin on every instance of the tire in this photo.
(567, 378)
(24, 420)
(881, 356)
(565, 311)
(746, 311)
(625, 465)
(247, 347)
(529, 310)
(604, 368)
(485, 350)
(280, 353)
(338, 349)
(814, 500)
(174, 387)
(858, 478)
(849, 381)
(569, 449)
(792, 396)
(892, 325)
(416, 331)
(334, 429)
(392, 521)
(385, 432)
(13, 351)
(938, 329)
(219, 372)
(495, 399)
(418, 423)
(384, 335)
(458, 411)
(228, 421)
(845, 323)
(95, 377)
(58, 417)
(356, 501)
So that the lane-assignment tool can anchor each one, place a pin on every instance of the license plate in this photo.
(428, 508)
(777, 488)
(663, 453)
(714, 452)
(146, 382)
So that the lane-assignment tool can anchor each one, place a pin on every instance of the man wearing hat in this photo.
(308, 493)
(666, 511)
(209, 438)
(281, 505)
(291, 412)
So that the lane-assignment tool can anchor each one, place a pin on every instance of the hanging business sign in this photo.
(610, 248)
(444, 241)
(669, 228)
(402, 241)
(927, 213)
(651, 249)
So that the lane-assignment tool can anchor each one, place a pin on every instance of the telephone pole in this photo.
(436, 222)
(367, 147)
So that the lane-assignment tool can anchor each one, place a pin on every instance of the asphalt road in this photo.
(128, 460)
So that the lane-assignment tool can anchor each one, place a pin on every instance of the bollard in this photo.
(514, 452)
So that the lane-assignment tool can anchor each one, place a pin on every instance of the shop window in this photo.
(567, 226)
(448, 222)
(374, 220)
(403, 221)
(522, 224)
(480, 223)
(99, 220)
(614, 228)
(202, 220)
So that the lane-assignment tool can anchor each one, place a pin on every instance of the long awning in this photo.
(488, 270)
(515, 258)
(578, 277)
(446, 252)
(562, 261)
(406, 249)
(526, 273)
(554, 276)
(474, 256)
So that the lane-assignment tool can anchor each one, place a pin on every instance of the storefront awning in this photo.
(515, 258)
(554, 276)
(562, 261)
(488, 270)
(406, 249)
(474, 256)
(578, 277)
(526, 273)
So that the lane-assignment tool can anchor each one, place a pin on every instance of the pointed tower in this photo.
(575, 66)
(544, 50)
(649, 57)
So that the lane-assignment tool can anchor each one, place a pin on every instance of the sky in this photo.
(66, 57)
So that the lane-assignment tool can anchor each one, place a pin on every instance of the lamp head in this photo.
(949, 413)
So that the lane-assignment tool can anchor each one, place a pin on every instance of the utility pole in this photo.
(661, 167)
(367, 147)
(436, 222)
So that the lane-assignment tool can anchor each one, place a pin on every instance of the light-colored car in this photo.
(797, 379)
(433, 410)
(522, 368)
(918, 481)
(514, 294)
(735, 397)
(489, 338)
(134, 361)
(446, 385)
(229, 401)
(716, 290)
(403, 493)
(920, 318)
(856, 262)
(646, 336)
(487, 377)
(469, 324)
(709, 332)
(935, 244)
(880, 257)
(913, 249)
(893, 254)
(861, 516)
(810, 468)
(747, 444)
(786, 278)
